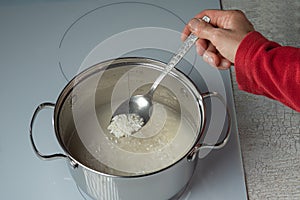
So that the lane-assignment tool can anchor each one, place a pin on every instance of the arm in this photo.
(266, 68)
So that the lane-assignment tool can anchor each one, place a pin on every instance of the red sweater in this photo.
(264, 67)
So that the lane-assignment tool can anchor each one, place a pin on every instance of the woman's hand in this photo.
(219, 40)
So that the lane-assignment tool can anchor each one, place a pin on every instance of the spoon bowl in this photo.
(141, 105)
(138, 104)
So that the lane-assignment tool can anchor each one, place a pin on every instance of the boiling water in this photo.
(166, 138)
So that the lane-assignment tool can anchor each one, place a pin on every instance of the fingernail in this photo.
(208, 59)
(211, 61)
(194, 24)
(225, 64)
(200, 50)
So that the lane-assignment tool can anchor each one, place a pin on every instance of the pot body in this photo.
(85, 93)
(162, 185)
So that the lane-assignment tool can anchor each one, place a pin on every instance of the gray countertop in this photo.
(269, 132)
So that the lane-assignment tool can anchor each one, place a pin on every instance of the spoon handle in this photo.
(185, 47)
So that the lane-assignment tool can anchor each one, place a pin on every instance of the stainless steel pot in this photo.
(78, 122)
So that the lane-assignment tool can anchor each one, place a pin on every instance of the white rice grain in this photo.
(125, 125)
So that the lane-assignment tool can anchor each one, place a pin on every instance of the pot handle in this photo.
(38, 153)
(220, 144)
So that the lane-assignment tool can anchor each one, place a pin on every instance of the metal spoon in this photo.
(142, 104)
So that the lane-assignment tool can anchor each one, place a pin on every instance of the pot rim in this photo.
(117, 62)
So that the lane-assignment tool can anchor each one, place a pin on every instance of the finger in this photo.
(211, 58)
(216, 60)
(185, 33)
(211, 55)
(201, 29)
(218, 18)
(224, 64)
(201, 46)
(187, 30)
(227, 19)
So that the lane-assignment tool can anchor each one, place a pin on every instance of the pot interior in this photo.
(84, 109)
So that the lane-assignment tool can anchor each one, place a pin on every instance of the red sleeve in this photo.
(264, 67)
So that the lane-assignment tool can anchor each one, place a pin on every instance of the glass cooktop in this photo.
(44, 44)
